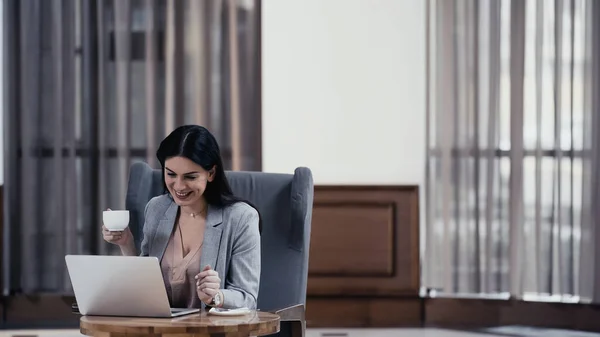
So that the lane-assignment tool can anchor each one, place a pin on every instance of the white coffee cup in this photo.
(115, 220)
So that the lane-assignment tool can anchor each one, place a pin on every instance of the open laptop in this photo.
(120, 286)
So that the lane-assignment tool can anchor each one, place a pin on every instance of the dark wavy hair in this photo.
(197, 144)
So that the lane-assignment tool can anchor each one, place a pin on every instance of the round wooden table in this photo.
(196, 325)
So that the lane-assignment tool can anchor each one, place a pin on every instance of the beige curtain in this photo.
(95, 85)
(512, 141)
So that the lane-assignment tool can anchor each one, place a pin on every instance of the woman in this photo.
(206, 239)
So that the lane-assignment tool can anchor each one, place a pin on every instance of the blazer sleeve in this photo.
(145, 246)
(243, 276)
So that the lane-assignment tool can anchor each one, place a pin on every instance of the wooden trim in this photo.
(2, 237)
(477, 313)
(361, 311)
(46, 309)
(339, 312)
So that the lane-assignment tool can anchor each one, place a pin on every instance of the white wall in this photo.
(344, 89)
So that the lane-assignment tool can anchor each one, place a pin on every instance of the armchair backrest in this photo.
(284, 202)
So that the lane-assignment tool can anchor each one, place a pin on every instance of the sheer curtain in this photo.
(513, 148)
(90, 87)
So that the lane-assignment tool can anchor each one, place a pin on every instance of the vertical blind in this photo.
(513, 148)
(93, 85)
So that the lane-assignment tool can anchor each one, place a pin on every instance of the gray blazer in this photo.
(231, 245)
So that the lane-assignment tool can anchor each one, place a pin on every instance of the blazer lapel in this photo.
(212, 237)
(164, 230)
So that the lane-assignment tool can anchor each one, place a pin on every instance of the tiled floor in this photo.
(426, 332)
(412, 332)
(309, 333)
(504, 331)
(40, 333)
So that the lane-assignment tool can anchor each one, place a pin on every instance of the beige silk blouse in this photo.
(179, 271)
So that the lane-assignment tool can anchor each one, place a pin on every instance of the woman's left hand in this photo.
(207, 284)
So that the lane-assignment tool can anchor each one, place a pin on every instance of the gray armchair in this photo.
(285, 205)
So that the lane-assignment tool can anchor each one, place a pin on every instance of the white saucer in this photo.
(229, 312)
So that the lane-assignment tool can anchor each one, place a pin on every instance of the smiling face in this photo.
(186, 181)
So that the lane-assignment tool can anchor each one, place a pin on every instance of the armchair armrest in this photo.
(293, 316)
(293, 313)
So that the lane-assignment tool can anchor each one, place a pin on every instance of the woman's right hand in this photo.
(119, 238)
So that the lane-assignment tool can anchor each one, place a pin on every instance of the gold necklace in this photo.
(193, 215)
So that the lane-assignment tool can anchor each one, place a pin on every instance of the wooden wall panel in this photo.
(353, 250)
(364, 257)
(364, 241)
